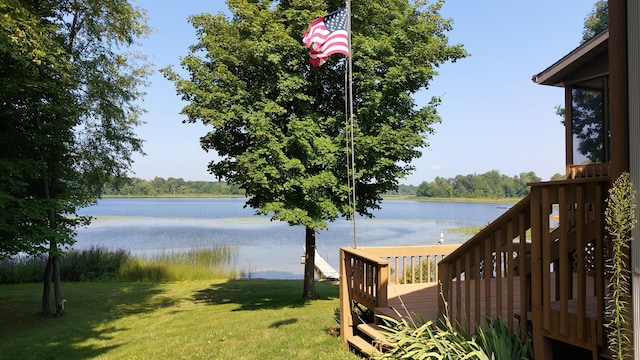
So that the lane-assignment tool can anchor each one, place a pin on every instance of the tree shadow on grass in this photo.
(262, 294)
(83, 332)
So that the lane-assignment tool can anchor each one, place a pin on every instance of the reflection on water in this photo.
(268, 249)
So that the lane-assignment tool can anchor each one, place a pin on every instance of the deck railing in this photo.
(539, 267)
(569, 256)
(488, 275)
(587, 171)
(366, 273)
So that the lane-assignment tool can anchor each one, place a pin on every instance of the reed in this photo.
(217, 262)
(100, 264)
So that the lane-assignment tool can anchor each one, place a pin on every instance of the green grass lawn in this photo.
(223, 319)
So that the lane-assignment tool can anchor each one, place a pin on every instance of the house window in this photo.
(589, 122)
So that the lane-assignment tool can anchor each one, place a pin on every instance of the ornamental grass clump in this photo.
(440, 340)
(437, 340)
(499, 342)
(620, 220)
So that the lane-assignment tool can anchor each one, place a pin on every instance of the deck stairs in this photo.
(369, 338)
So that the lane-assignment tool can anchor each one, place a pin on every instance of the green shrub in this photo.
(498, 342)
(432, 340)
(93, 264)
(22, 269)
(440, 340)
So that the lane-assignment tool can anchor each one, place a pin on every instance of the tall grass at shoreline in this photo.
(194, 264)
(99, 264)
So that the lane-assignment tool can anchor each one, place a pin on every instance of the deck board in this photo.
(418, 300)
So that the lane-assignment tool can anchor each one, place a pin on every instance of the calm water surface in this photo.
(268, 249)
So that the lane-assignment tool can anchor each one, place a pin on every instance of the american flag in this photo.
(326, 36)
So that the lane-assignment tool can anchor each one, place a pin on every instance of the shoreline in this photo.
(386, 197)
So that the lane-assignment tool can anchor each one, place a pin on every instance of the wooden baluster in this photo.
(488, 274)
(522, 274)
(477, 281)
(467, 291)
(564, 273)
(498, 236)
(510, 235)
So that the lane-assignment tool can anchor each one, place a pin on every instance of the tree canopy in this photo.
(66, 118)
(278, 125)
(597, 20)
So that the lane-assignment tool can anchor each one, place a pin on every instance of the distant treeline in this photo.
(171, 187)
(491, 184)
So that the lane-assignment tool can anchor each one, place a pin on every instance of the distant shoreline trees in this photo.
(171, 187)
(491, 185)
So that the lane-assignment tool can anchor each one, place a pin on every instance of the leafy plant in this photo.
(432, 340)
(620, 221)
(498, 342)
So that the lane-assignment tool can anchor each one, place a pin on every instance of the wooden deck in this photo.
(418, 301)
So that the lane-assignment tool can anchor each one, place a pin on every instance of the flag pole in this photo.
(351, 127)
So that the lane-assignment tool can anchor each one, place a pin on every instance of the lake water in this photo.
(268, 249)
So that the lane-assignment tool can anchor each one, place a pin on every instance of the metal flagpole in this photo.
(350, 132)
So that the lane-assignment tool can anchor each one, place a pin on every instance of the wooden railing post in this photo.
(382, 285)
(540, 345)
(445, 285)
(346, 319)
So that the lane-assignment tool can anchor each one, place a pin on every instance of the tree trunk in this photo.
(57, 290)
(52, 275)
(46, 289)
(309, 265)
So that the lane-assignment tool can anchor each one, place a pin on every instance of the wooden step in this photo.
(386, 311)
(373, 332)
(360, 344)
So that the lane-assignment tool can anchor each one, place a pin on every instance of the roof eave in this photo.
(554, 75)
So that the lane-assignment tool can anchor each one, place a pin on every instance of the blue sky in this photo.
(493, 115)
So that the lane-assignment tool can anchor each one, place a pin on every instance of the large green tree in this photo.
(278, 125)
(597, 20)
(67, 115)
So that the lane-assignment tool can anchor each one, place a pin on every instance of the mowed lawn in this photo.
(225, 319)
